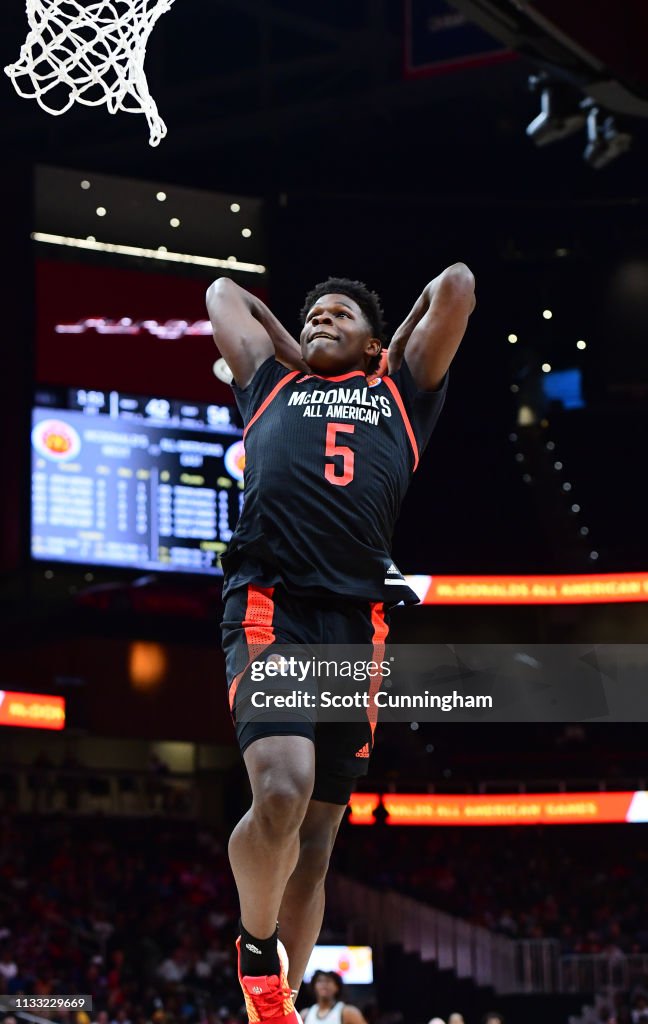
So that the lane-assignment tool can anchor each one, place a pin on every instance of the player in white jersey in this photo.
(329, 1008)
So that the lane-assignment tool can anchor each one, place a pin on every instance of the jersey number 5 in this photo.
(334, 450)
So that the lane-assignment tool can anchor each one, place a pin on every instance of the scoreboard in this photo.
(134, 481)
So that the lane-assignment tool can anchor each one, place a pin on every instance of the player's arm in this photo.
(352, 1015)
(430, 335)
(246, 332)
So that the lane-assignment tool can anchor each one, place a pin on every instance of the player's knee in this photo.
(281, 801)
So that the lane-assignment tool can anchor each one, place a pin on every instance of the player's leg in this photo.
(302, 907)
(342, 752)
(264, 846)
(280, 761)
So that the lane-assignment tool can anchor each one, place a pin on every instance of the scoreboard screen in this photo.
(133, 481)
(354, 964)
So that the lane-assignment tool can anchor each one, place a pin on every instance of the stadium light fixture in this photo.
(604, 141)
(559, 117)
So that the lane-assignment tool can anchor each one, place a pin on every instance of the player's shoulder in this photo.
(269, 370)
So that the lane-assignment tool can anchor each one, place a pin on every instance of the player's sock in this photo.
(258, 956)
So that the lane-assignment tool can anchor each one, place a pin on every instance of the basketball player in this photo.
(329, 1007)
(330, 451)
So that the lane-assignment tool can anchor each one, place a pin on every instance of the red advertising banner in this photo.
(32, 710)
(590, 588)
(503, 809)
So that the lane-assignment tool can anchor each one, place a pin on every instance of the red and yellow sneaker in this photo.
(268, 998)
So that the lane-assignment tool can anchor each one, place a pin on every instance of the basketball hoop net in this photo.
(90, 54)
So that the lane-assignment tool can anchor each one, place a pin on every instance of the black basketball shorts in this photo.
(256, 618)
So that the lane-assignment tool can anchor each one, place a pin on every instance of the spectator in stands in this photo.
(8, 966)
(639, 1013)
(175, 967)
(121, 1017)
(456, 1018)
(200, 970)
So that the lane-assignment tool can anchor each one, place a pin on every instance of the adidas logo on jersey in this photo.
(253, 949)
(364, 751)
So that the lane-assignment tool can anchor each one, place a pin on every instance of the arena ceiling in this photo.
(273, 95)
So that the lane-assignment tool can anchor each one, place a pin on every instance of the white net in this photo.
(89, 53)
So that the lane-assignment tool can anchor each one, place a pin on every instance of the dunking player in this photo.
(330, 451)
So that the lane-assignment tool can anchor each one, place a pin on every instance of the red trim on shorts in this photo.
(257, 624)
(264, 405)
(380, 631)
(406, 420)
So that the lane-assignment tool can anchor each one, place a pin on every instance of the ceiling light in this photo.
(546, 367)
(246, 232)
(512, 338)
(234, 207)
(149, 254)
(161, 196)
(547, 314)
(581, 344)
(174, 222)
(101, 211)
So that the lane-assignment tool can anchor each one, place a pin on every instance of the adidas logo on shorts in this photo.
(253, 949)
(394, 575)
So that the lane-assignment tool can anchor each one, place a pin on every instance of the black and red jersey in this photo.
(327, 463)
